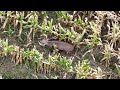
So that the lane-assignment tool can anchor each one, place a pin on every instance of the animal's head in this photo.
(43, 42)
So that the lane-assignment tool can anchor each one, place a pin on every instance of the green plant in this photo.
(5, 47)
(114, 35)
(52, 59)
(10, 31)
(47, 26)
(62, 14)
(21, 23)
(82, 69)
(36, 57)
(94, 40)
(8, 49)
(6, 19)
(79, 37)
(65, 64)
(26, 54)
(79, 21)
(97, 73)
(118, 68)
(108, 53)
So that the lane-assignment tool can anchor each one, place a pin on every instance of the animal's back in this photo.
(59, 44)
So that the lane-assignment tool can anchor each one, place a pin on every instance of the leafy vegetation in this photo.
(95, 36)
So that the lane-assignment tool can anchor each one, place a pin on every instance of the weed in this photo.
(65, 64)
(10, 31)
(118, 68)
(82, 69)
(108, 53)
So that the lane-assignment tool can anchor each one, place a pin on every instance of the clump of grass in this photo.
(107, 54)
(114, 34)
(82, 69)
(65, 64)
(36, 57)
(6, 49)
(10, 31)
(62, 14)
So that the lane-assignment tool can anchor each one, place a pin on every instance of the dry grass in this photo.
(94, 34)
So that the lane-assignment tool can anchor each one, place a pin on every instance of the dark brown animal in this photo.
(60, 45)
